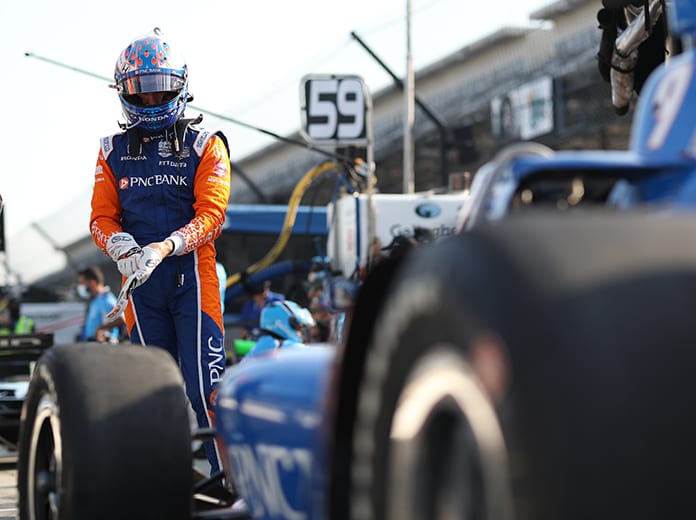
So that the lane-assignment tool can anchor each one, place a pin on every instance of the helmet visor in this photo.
(158, 82)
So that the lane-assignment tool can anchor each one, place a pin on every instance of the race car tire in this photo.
(421, 409)
(105, 434)
(591, 316)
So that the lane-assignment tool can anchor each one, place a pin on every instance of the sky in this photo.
(245, 59)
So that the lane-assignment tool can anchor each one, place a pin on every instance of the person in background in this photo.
(250, 314)
(161, 190)
(322, 321)
(90, 286)
(283, 323)
(13, 322)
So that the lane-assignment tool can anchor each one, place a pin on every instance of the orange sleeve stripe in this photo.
(210, 292)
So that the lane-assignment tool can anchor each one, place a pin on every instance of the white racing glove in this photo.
(124, 250)
(122, 300)
(146, 263)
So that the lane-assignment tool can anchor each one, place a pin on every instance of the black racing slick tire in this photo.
(588, 321)
(427, 442)
(105, 434)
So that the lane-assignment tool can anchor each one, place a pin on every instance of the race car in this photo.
(538, 365)
(18, 355)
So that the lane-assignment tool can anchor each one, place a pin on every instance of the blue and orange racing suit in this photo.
(143, 188)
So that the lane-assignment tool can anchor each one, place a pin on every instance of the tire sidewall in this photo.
(416, 326)
(42, 385)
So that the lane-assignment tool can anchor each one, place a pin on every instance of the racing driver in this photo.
(161, 189)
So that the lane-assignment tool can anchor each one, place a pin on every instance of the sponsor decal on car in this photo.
(262, 471)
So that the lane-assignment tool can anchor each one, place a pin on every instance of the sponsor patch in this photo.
(158, 180)
(201, 140)
(107, 146)
(220, 169)
(164, 149)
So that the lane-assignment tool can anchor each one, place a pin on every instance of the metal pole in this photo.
(370, 151)
(439, 123)
(409, 110)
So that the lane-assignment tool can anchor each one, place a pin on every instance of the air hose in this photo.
(295, 199)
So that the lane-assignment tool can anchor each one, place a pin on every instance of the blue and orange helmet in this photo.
(147, 65)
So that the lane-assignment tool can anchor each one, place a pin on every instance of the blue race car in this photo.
(536, 366)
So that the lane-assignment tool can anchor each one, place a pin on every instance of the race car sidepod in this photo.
(270, 416)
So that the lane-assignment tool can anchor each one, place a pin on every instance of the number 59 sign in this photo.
(335, 109)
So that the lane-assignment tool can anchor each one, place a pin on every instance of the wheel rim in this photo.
(446, 448)
(45, 462)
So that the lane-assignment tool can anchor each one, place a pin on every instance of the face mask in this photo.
(83, 292)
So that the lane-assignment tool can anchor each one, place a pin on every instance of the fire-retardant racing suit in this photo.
(149, 191)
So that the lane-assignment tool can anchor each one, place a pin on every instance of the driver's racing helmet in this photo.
(148, 65)
(286, 320)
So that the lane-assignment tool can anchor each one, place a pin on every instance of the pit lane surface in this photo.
(8, 482)
(8, 485)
